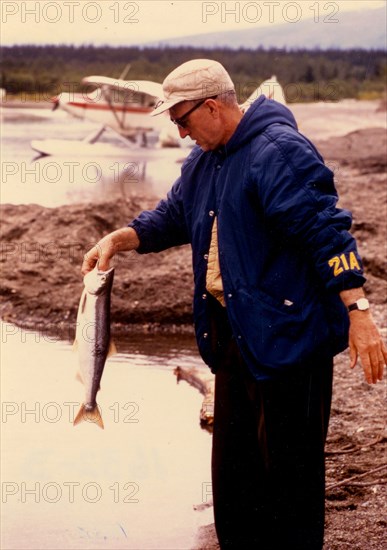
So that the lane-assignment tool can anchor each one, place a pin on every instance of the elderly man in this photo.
(278, 292)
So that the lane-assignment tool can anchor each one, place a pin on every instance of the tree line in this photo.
(306, 75)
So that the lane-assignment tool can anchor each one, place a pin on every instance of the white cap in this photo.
(196, 79)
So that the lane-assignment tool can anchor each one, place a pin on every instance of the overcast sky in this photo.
(120, 22)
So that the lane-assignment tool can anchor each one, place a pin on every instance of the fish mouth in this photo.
(97, 281)
(100, 271)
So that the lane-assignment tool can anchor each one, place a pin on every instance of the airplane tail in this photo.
(270, 88)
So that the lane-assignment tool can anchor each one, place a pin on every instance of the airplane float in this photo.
(123, 107)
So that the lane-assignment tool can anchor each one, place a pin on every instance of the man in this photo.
(277, 279)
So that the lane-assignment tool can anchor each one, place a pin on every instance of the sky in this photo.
(121, 22)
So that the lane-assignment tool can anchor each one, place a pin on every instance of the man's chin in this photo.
(204, 147)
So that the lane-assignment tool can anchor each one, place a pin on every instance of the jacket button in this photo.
(205, 256)
(204, 296)
(211, 213)
(229, 295)
(205, 335)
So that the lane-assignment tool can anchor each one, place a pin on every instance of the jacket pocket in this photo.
(278, 335)
(283, 305)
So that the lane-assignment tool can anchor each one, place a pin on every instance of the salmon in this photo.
(93, 340)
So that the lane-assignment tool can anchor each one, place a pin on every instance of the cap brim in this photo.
(166, 105)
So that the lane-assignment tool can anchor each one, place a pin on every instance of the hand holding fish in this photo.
(93, 321)
(123, 239)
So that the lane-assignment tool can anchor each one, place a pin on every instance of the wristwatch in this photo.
(362, 304)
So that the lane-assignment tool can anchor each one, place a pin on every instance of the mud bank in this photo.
(42, 253)
(42, 250)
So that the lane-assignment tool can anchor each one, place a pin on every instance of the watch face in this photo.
(363, 304)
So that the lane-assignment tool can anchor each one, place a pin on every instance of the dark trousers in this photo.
(268, 472)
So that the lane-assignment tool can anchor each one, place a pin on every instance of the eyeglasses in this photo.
(182, 121)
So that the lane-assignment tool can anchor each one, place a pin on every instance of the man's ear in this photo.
(213, 107)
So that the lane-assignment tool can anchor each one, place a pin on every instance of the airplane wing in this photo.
(139, 86)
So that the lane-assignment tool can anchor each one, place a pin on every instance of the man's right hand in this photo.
(124, 239)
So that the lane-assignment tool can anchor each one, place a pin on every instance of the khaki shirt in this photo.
(214, 282)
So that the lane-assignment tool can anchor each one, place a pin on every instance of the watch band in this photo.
(362, 305)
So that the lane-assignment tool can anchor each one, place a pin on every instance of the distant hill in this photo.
(365, 29)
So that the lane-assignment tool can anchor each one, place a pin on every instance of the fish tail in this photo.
(93, 415)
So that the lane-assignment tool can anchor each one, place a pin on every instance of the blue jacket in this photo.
(284, 248)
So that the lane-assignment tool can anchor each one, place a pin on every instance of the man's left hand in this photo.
(366, 343)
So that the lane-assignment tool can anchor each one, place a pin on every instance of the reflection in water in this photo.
(74, 177)
(134, 484)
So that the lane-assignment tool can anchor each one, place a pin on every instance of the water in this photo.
(132, 485)
(81, 174)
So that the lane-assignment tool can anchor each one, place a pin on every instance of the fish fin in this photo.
(75, 345)
(93, 416)
(112, 348)
(78, 377)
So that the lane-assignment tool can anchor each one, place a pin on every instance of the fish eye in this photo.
(103, 278)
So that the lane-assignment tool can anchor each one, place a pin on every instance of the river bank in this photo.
(42, 250)
(41, 257)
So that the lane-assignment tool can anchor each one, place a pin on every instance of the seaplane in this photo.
(119, 107)
(122, 109)
(119, 104)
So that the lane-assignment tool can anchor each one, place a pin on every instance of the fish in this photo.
(93, 339)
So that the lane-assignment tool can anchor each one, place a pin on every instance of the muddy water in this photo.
(134, 484)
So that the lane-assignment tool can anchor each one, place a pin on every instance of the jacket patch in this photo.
(345, 262)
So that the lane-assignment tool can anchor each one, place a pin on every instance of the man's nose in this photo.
(184, 132)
